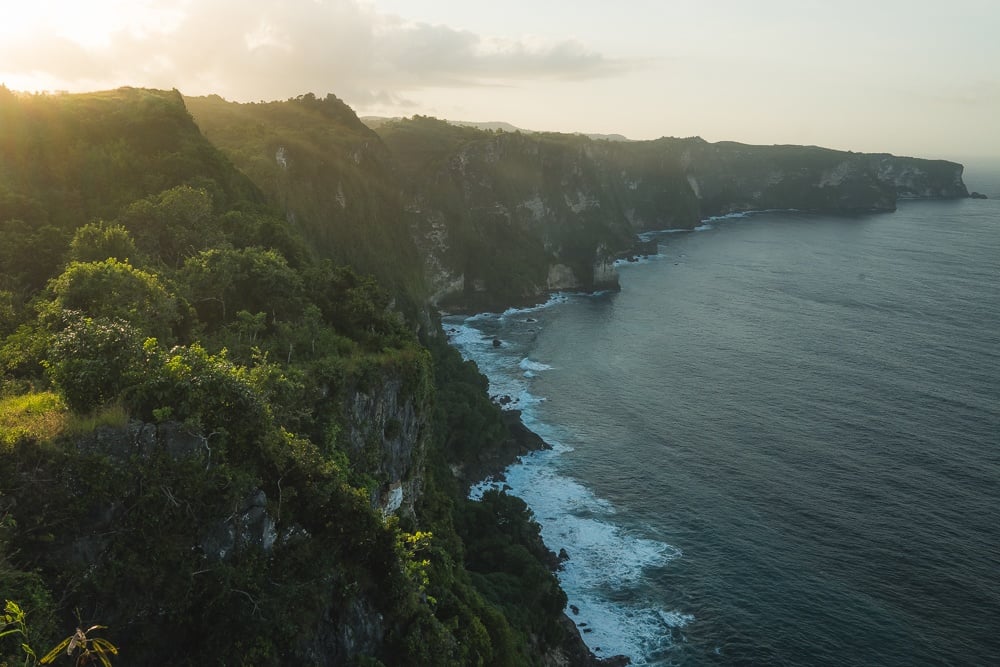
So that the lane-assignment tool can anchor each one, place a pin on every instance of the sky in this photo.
(908, 77)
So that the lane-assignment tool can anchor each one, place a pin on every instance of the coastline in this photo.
(491, 471)
(522, 439)
(574, 650)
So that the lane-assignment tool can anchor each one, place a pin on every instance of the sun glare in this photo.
(26, 27)
(89, 23)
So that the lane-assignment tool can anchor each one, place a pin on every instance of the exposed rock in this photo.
(385, 439)
(605, 274)
(516, 215)
(574, 652)
(250, 526)
(977, 195)
(561, 277)
(492, 463)
(344, 633)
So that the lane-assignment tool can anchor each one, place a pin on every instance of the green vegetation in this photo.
(35, 416)
(203, 408)
(514, 205)
(331, 177)
(228, 419)
(79, 647)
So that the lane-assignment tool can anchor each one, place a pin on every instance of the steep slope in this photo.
(216, 441)
(502, 217)
(70, 159)
(330, 175)
(728, 177)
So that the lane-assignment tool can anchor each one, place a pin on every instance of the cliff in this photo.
(330, 176)
(228, 441)
(728, 177)
(216, 440)
(503, 217)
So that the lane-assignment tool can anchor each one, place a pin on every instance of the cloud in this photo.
(280, 48)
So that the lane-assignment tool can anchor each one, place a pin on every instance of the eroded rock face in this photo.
(508, 217)
(251, 526)
(345, 633)
(922, 179)
(561, 277)
(385, 437)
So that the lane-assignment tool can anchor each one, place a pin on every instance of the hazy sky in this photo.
(915, 77)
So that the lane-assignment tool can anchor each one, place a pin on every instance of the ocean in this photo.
(778, 444)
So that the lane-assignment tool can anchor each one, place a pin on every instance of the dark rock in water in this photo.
(563, 554)
(496, 342)
(588, 629)
(573, 650)
(977, 195)
(531, 320)
(576, 610)
(507, 487)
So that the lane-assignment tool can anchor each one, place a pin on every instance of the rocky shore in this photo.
(573, 652)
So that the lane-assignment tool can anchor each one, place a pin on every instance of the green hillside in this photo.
(215, 437)
(329, 177)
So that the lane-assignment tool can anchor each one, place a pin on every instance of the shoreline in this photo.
(644, 241)
(491, 468)
(522, 441)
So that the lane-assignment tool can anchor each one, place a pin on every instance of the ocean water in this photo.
(779, 444)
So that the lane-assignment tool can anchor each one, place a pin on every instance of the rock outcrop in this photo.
(384, 436)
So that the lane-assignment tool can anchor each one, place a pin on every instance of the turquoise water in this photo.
(779, 444)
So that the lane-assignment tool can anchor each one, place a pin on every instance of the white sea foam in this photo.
(603, 577)
(465, 337)
(704, 227)
(606, 562)
(731, 216)
(650, 235)
(529, 365)
(739, 215)
(554, 299)
(638, 260)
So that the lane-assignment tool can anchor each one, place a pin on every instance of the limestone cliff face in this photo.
(914, 178)
(513, 216)
(503, 217)
(729, 177)
(385, 434)
(384, 428)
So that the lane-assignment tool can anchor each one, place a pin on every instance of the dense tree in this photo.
(98, 241)
(114, 289)
(30, 254)
(172, 425)
(224, 281)
(174, 224)
(91, 361)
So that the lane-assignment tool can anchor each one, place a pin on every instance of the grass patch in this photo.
(36, 416)
(44, 416)
(113, 415)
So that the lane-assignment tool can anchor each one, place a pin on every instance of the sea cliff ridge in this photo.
(233, 428)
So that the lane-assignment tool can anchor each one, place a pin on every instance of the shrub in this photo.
(92, 360)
